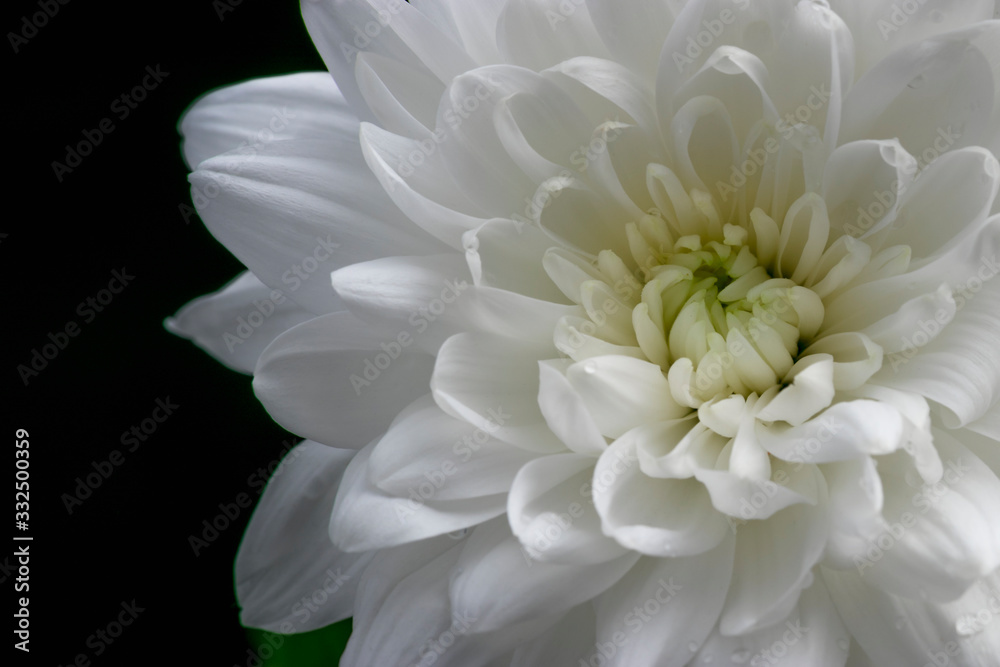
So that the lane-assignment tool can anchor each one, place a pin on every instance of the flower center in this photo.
(706, 307)
(730, 327)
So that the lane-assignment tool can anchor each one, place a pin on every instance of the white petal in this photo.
(551, 512)
(411, 622)
(296, 210)
(893, 333)
(289, 576)
(509, 255)
(496, 583)
(773, 564)
(988, 424)
(236, 323)
(565, 412)
(539, 33)
(900, 632)
(416, 296)
(663, 606)
(885, 289)
(659, 517)
(492, 383)
(570, 640)
(248, 115)
(845, 431)
(960, 368)
(881, 26)
(934, 96)
(436, 456)
(937, 538)
(635, 37)
(862, 182)
(812, 635)
(414, 177)
(476, 25)
(955, 190)
(622, 393)
(810, 391)
(330, 379)
(401, 95)
(365, 517)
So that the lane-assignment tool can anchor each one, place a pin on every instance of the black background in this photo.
(121, 208)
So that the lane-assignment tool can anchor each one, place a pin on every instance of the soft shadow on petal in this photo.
(289, 576)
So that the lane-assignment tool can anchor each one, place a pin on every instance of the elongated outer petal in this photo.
(426, 299)
(220, 323)
(664, 606)
(500, 585)
(399, 293)
(365, 517)
(330, 379)
(248, 115)
(289, 576)
(901, 632)
(295, 210)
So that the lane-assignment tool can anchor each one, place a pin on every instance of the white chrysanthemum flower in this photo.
(661, 333)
